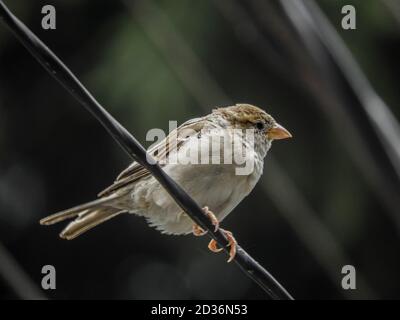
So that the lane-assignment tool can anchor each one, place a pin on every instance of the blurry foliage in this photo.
(376, 38)
(158, 91)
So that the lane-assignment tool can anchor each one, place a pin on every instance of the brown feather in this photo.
(243, 114)
(89, 221)
(159, 151)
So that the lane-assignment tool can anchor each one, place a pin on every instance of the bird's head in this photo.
(247, 116)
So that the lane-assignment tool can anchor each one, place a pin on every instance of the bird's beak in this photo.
(277, 132)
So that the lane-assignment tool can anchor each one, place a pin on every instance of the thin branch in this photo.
(346, 93)
(315, 73)
(309, 227)
(62, 74)
(384, 124)
(393, 7)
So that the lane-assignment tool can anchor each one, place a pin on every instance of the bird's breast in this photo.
(218, 185)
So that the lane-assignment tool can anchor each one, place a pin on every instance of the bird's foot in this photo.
(198, 231)
(212, 217)
(232, 243)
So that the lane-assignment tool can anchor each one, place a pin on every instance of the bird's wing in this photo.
(159, 151)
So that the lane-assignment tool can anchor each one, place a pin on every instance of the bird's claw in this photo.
(213, 245)
(232, 244)
(212, 217)
(199, 231)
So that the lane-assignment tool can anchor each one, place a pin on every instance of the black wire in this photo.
(68, 80)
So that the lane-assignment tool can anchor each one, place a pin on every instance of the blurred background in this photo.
(328, 198)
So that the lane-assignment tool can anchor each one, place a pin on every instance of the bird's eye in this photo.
(260, 125)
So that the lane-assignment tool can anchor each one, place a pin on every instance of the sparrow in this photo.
(215, 183)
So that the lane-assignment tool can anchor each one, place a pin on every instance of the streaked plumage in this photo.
(216, 186)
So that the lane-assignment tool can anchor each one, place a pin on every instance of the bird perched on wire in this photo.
(217, 159)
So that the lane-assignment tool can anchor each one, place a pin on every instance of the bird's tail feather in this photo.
(89, 220)
(88, 216)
